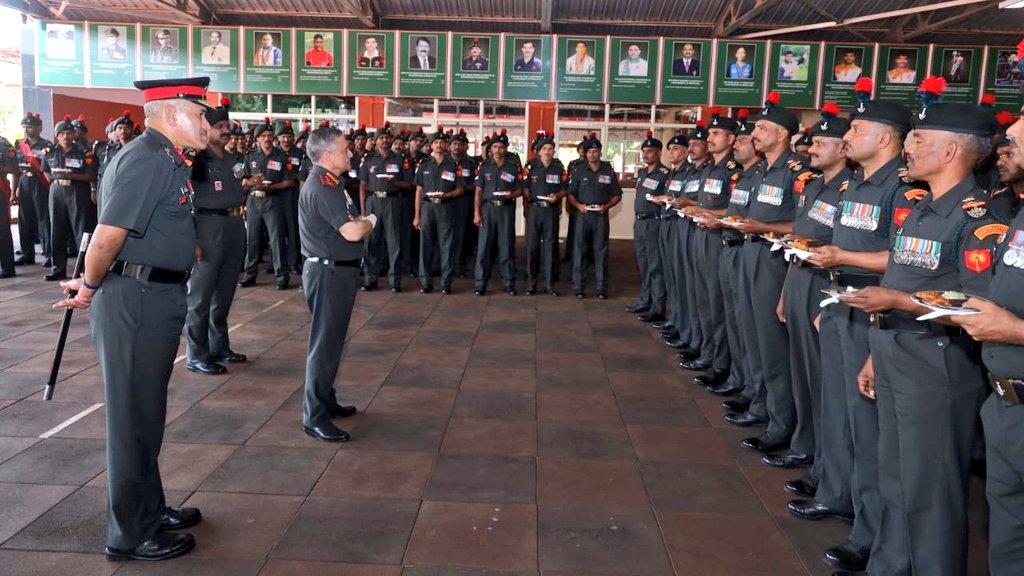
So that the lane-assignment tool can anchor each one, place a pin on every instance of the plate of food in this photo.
(943, 303)
(730, 221)
(801, 247)
(836, 295)
(594, 208)
(435, 194)
(545, 198)
(385, 176)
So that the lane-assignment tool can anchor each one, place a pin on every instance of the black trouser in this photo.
(410, 236)
(212, 286)
(929, 389)
(800, 298)
(6, 239)
(33, 217)
(290, 204)
(465, 233)
(710, 305)
(1004, 485)
(499, 227)
(686, 280)
(330, 294)
(737, 315)
(541, 246)
(437, 233)
(136, 326)
(267, 211)
(389, 231)
(591, 243)
(646, 238)
(71, 215)
(764, 273)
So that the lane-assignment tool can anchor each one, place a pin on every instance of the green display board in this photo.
(579, 76)
(739, 74)
(527, 71)
(474, 65)
(268, 60)
(163, 53)
(422, 63)
(961, 67)
(844, 65)
(793, 72)
(215, 54)
(111, 55)
(1003, 79)
(371, 65)
(60, 54)
(900, 70)
(317, 61)
(686, 72)
(633, 69)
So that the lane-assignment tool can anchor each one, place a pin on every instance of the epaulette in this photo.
(844, 186)
(903, 174)
(664, 169)
(795, 165)
(736, 176)
(802, 179)
(329, 180)
(731, 164)
(974, 207)
(991, 229)
(999, 191)
(915, 194)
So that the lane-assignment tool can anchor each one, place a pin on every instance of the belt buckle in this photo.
(1004, 387)
(259, 194)
(876, 320)
(435, 200)
(497, 203)
(234, 212)
(380, 194)
(64, 181)
(543, 203)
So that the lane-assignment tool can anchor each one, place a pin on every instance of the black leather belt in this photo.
(501, 202)
(219, 211)
(730, 242)
(645, 216)
(901, 322)
(149, 273)
(356, 263)
(1009, 389)
(385, 194)
(845, 279)
(542, 204)
(754, 238)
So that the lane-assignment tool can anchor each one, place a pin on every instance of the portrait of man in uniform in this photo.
(215, 47)
(956, 66)
(847, 64)
(529, 61)
(372, 55)
(267, 52)
(318, 52)
(474, 52)
(112, 47)
(687, 59)
(163, 46)
(738, 62)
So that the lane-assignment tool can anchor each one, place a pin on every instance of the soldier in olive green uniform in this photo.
(267, 177)
(332, 231)
(545, 188)
(220, 233)
(135, 275)
(593, 190)
(676, 330)
(926, 377)
(72, 170)
(498, 184)
(438, 188)
(651, 181)
(32, 189)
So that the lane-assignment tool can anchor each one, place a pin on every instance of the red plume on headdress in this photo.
(67, 118)
(593, 135)
(699, 124)
(266, 119)
(504, 131)
(773, 98)
(988, 99)
(440, 128)
(933, 85)
(650, 133)
(109, 119)
(288, 123)
(716, 111)
(864, 85)
(1004, 118)
(807, 130)
(127, 113)
(1020, 50)
(81, 117)
(225, 101)
(743, 114)
(830, 108)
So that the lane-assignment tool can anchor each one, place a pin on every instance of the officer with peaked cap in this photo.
(593, 191)
(438, 188)
(498, 184)
(72, 170)
(135, 274)
(220, 233)
(32, 191)
(820, 194)
(874, 205)
(926, 377)
(544, 188)
(772, 211)
(267, 177)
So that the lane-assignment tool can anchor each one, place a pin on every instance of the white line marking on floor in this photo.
(71, 420)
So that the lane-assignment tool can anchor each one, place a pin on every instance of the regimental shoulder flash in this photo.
(731, 164)
(844, 186)
(795, 165)
(736, 176)
(802, 179)
(974, 207)
(904, 175)
(329, 180)
(915, 194)
(990, 230)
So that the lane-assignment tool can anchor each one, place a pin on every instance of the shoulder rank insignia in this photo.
(915, 194)
(329, 180)
(735, 176)
(801, 181)
(974, 207)
(731, 164)
(903, 175)
(999, 192)
(844, 186)
(991, 230)
(795, 165)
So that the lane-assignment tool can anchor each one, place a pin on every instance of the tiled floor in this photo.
(497, 435)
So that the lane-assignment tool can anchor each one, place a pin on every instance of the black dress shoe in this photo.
(530, 292)
(55, 276)
(396, 289)
(512, 292)
(230, 356)
(725, 389)
(579, 295)
(446, 290)
(670, 335)
(713, 378)
(736, 405)
(247, 282)
(426, 289)
(788, 460)
(269, 270)
(811, 510)
(601, 295)
(283, 283)
(342, 411)
(208, 368)
(327, 433)
(554, 293)
(479, 292)
(744, 419)
(765, 443)
(368, 287)
(651, 317)
(664, 325)
(179, 518)
(677, 344)
(696, 365)
(800, 487)
(23, 261)
(7, 274)
(848, 557)
(637, 309)
(163, 546)
(47, 263)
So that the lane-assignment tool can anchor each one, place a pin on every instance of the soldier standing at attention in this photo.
(136, 269)
(438, 187)
(332, 231)
(221, 238)
(382, 177)
(296, 169)
(651, 184)
(593, 191)
(267, 176)
(545, 188)
(465, 231)
(8, 165)
(72, 170)
(498, 184)
(32, 192)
